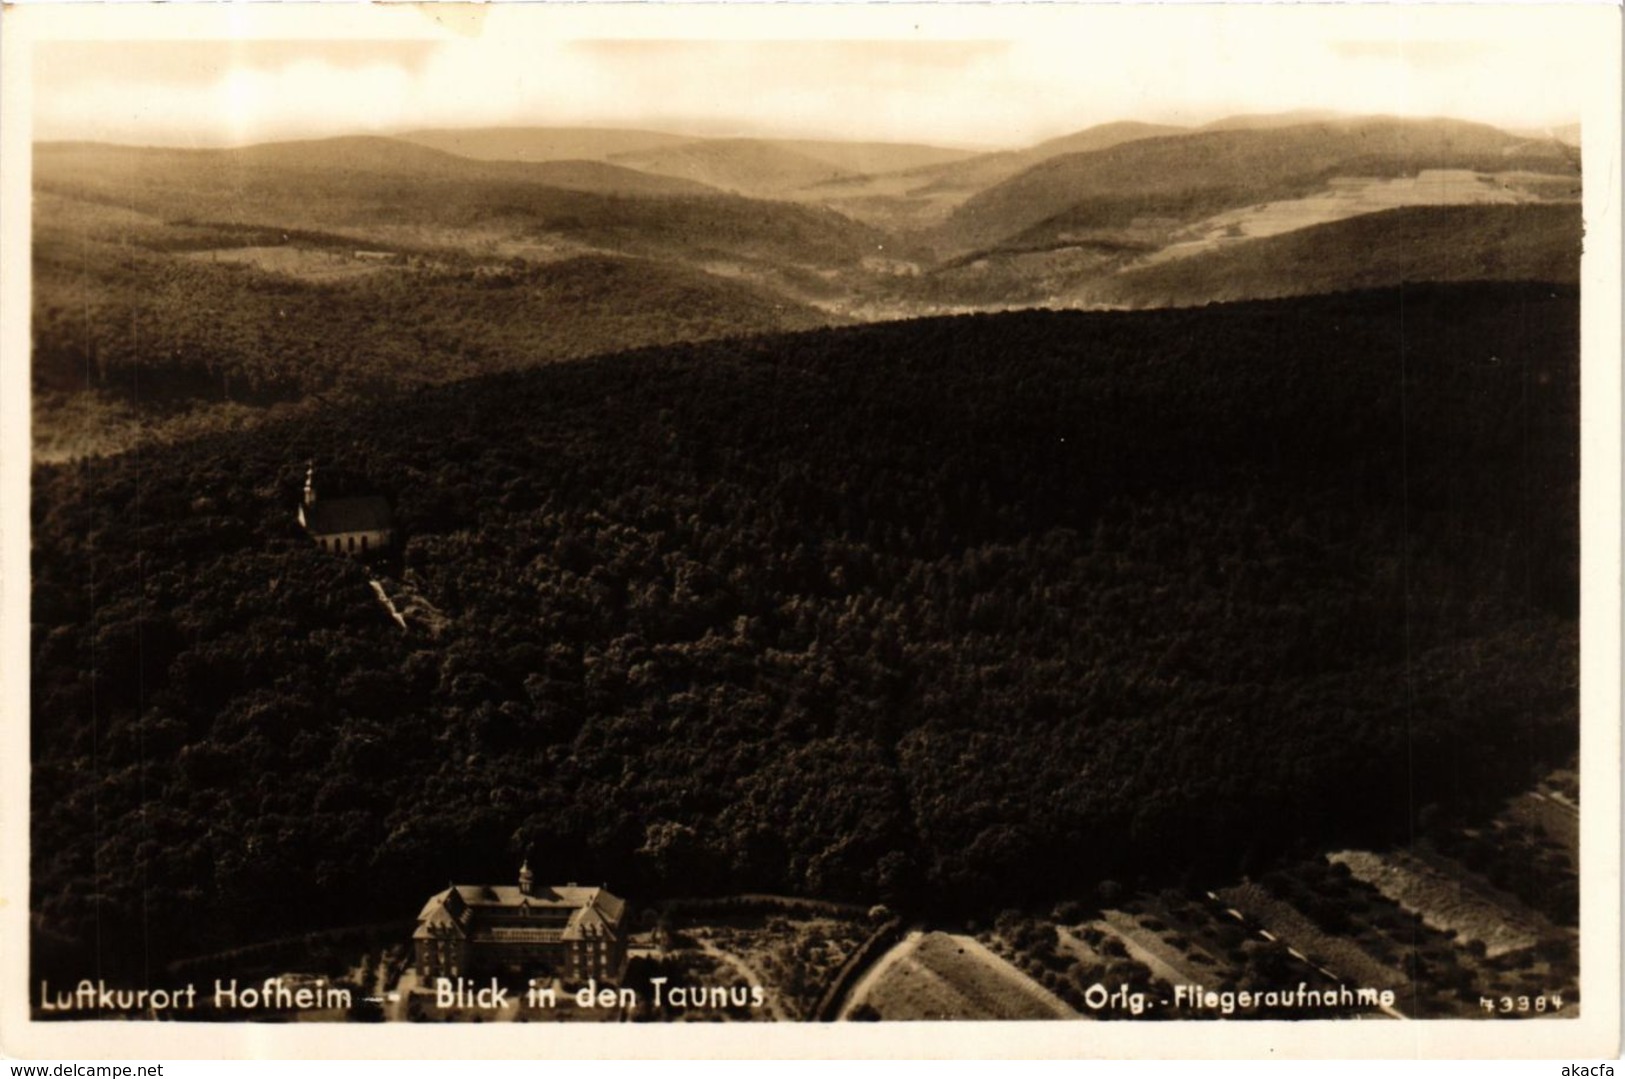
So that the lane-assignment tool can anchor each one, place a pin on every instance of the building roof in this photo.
(496, 911)
(329, 516)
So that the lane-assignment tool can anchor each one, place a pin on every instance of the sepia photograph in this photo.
(774, 530)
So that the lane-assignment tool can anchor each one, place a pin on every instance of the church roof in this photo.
(329, 516)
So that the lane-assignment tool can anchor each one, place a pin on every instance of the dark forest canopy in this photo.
(950, 613)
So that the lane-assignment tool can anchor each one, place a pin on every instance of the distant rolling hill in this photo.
(352, 159)
(600, 177)
(876, 157)
(1152, 185)
(139, 177)
(353, 153)
(776, 168)
(164, 328)
(388, 189)
(1122, 213)
(926, 194)
(966, 177)
(542, 143)
(1099, 137)
(1264, 121)
(605, 144)
(1533, 242)
(149, 327)
(1285, 249)
(1568, 134)
(745, 166)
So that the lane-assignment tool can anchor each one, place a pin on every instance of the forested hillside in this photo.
(1155, 184)
(950, 613)
(1539, 242)
(179, 290)
(166, 328)
(380, 187)
(540, 143)
(924, 195)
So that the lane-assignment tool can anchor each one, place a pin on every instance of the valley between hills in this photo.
(230, 284)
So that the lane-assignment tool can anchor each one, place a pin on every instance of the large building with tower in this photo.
(565, 931)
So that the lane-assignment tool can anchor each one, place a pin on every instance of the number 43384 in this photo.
(1513, 1005)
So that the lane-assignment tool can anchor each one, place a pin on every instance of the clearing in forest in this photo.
(1351, 196)
(303, 263)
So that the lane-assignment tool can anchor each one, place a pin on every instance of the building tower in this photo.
(310, 484)
(525, 878)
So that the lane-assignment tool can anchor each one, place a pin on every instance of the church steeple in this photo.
(525, 878)
(310, 484)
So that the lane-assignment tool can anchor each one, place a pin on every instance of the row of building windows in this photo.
(340, 544)
(441, 958)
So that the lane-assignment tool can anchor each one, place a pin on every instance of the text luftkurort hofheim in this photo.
(279, 994)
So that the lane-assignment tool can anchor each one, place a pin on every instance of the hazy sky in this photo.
(927, 75)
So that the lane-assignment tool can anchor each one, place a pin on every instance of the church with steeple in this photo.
(354, 525)
(564, 931)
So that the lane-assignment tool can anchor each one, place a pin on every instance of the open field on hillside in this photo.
(1551, 817)
(302, 263)
(1442, 900)
(1345, 197)
(941, 976)
(1338, 954)
(1531, 240)
(1169, 962)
